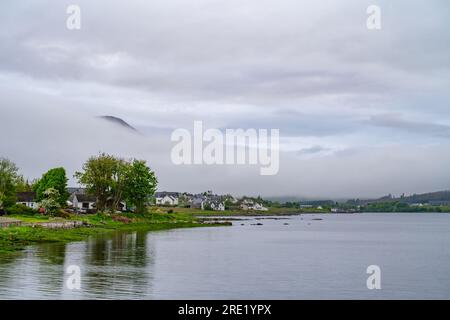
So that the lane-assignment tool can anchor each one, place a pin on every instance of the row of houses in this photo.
(197, 201)
(205, 201)
(80, 201)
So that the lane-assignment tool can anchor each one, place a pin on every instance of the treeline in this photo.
(109, 179)
(398, 206)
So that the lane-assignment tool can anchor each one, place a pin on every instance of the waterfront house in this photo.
(122, 206)
(259, 207)
(167, 198)
(82, 202)
(85, 203)
(251, 205)
(197, 202)
(214, 203)
(27, 199)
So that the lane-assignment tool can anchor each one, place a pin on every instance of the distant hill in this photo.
(118, 121)
(426, 197)
(415, 198)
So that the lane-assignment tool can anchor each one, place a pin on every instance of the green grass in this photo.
(16, 238)
(31, 218)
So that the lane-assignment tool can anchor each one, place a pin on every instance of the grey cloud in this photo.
(311, 69)
(394, 121)
(312, 150)
(220, 50)
(292, 123)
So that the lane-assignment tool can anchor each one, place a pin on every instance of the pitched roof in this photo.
(82, 197)
(76, 190)
(165, 193)
(214, 201)
(26, 196)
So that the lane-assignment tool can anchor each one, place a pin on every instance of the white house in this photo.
(197, 202)
(259, 207)
(166, 198)
(82, 202)
(213, 204)
(27, 199)
(167, 201)
(251, 205)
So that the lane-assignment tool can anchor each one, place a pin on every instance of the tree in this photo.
(112, 180)
(140, 184)
(8, 178)
(118, 182)
(50, 202)
(97, 176)
(53, 179)
(23, 185)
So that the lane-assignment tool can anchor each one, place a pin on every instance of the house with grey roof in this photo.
(27, 199)
(82, 202)
(167, 198)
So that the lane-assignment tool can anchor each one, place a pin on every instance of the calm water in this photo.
(304, 259)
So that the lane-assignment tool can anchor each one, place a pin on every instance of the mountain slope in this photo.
(118, 121)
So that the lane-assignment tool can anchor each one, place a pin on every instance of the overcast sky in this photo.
(361, 113)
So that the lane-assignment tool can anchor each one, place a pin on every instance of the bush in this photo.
(20, 209)
(64, 214)
(121, 219)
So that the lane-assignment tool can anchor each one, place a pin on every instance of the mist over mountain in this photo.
(360, 113)
(118, 121)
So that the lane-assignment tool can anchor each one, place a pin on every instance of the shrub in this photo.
(121, 219)
(20, 209)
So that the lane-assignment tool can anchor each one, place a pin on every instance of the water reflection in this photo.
(305, 259)
(117, 266)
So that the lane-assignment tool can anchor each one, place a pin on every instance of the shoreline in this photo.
(15, 238)
(41, 229)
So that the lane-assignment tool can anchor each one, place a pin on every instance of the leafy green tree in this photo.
(97, 177)
(23, 185)
(50, 202)
(118, 183)
(8, 178)
(53, 179)
(140, 184)
(112, 180)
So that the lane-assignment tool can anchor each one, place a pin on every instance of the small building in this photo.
(166, 198)
(166, 201)
(213, 204)
(259, 207)
(27, 199)
(416, 204)
(82, 202)
(251, 205)
(197, 202)
(122, 206)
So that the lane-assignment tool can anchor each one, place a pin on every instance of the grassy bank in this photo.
(16, 238)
